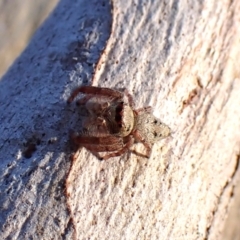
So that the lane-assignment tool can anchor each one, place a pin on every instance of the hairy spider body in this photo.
(114, 125)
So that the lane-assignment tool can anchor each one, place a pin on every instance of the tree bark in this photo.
(179, 57)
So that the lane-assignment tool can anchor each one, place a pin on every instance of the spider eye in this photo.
(118, 118)
(155, 121)
(157, 134)
(118, 115)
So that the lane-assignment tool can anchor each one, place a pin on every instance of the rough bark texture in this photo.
(181, 58)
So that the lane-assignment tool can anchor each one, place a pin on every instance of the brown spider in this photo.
(114, 125)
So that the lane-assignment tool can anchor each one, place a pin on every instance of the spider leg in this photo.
(107, 142)
(139, 154)
(139, 138)
(98, 105)
(103, 148)
(147, 109)
(83, 100)
(120, 151)
(102, 144)
(96, 154)
(95, 91)
(96, 123)
(130, 98)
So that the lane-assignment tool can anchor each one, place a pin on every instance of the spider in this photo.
(113, 124)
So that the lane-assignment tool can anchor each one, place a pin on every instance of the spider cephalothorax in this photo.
(114, 124)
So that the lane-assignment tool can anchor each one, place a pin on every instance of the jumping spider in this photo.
(114, 125)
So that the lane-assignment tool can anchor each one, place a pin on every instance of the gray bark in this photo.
(181, 58)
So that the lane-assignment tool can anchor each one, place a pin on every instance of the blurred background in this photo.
(19, 19)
